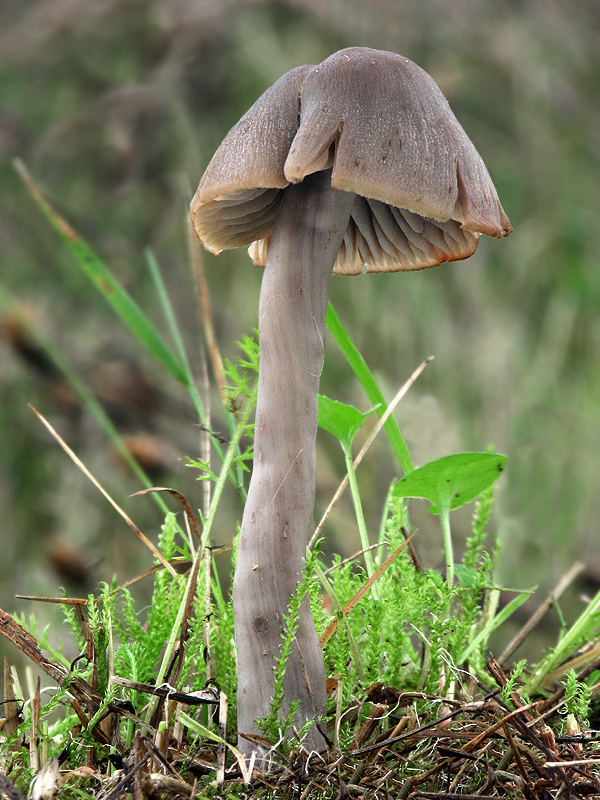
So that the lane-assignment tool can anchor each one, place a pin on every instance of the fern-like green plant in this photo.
(278, 725)
(577, 698)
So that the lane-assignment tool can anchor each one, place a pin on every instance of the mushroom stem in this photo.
(306, 239)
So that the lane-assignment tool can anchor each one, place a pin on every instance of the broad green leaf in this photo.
(452, 481)
(341, 420)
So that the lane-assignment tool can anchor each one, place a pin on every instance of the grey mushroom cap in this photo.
(386, 131)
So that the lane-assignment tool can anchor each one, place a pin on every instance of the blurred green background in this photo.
(116, 106)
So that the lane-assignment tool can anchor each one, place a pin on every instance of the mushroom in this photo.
(353, 164)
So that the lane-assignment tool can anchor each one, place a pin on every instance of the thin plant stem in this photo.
(360, 517)
(338, 609)
(381, 424)
(207, 320)
(448, 547)
(203, 414)
(216, 499)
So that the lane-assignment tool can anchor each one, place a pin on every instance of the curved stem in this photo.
(278, 515)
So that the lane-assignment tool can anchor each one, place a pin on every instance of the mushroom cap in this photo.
(386, 131)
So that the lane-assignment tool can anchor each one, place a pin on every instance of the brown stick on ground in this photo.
(81, 690)
(541, 612)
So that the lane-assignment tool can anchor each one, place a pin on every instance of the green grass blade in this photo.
(168, 310)
(501, 617)
(171, 320)
(584, 629)
(124, 305)
(365, 376)
(79, 385)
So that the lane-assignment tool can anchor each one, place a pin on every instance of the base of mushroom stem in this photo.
(267, 759)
